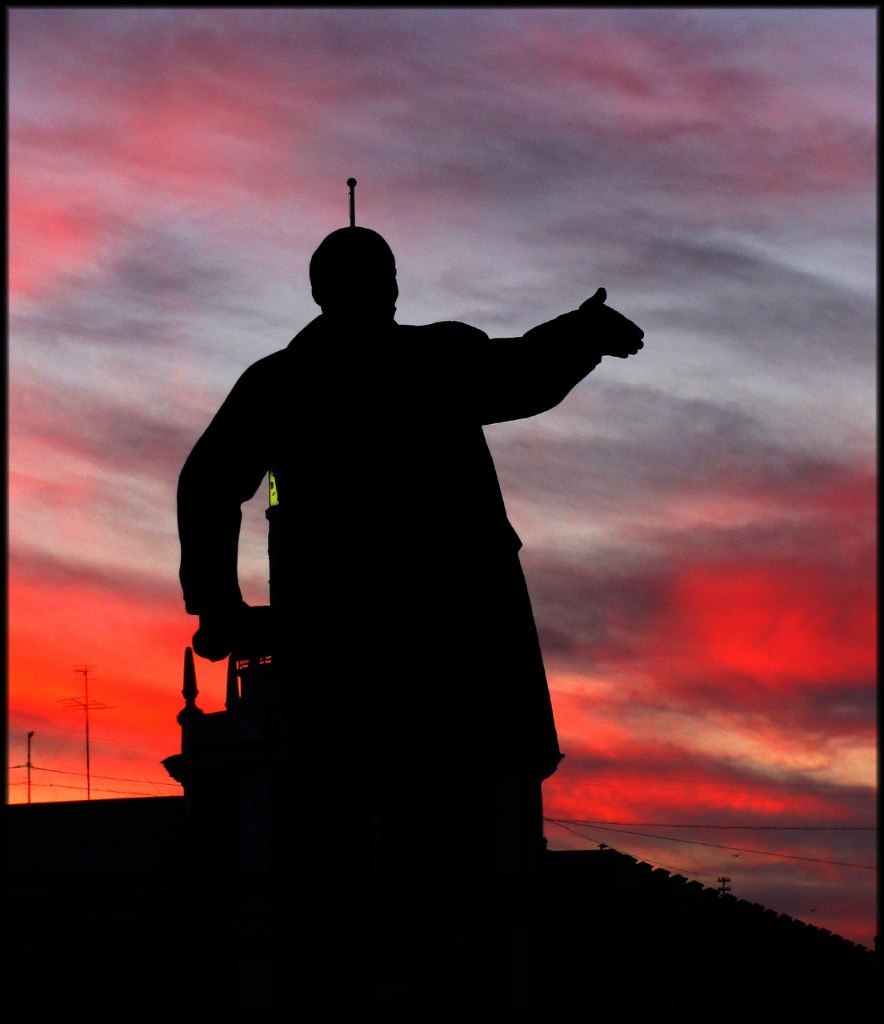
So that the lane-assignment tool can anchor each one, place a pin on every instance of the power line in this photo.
(106, 778)
(82, 789)
(717, 846)
(687, 872)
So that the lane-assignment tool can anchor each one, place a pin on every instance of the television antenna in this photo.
(85, 705)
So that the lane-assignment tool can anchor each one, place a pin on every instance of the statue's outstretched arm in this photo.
(518, 377)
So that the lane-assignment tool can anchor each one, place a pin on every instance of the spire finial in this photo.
(189, 691)
(351, 184)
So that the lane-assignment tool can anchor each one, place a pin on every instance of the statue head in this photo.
(353, 275)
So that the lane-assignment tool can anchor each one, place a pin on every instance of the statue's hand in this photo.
(615, 335)
(215, 638)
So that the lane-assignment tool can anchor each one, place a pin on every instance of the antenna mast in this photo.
(72, 703)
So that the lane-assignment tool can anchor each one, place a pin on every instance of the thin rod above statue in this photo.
(351, 183)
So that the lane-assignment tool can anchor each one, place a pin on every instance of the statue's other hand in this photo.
(210, 643)
(616, 336)
(215, 638)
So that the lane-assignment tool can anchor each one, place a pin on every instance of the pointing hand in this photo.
(614, 334)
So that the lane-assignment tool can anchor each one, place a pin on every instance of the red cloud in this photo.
(610, 773)
(136, 646)
(782, 625)
(780, 596)
(627, 793)
(66, 622)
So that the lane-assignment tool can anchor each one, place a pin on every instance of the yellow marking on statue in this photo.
(274, 494)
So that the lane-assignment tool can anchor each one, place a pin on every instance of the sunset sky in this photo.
(699, 522)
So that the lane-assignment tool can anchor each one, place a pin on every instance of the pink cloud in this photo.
(52, 231)
(220, 133)
(711, 118)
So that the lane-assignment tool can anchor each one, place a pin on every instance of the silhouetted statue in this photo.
(404, 625)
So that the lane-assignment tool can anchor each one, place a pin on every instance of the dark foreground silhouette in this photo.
(418, 709)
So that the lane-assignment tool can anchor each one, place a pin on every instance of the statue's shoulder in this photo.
(268, 366)
(263, 375)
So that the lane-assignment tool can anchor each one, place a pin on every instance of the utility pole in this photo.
(72, 703)
(723, 887)
(30, 734)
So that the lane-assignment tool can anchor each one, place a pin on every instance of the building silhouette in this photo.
(168, 907)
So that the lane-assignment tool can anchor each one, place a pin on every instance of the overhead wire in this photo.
(718, 846)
